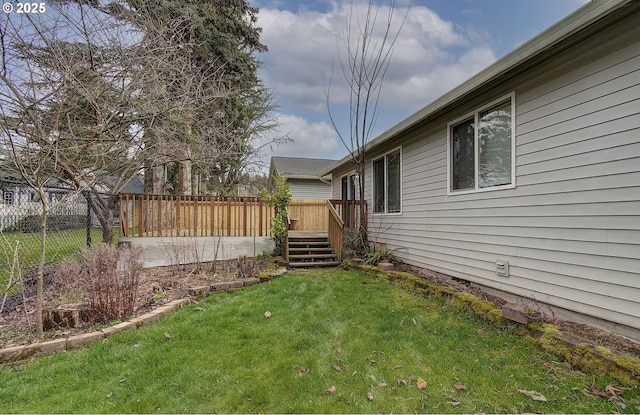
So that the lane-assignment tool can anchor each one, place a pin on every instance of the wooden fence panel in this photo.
(311, 214)
(144, 215)
(169, 215)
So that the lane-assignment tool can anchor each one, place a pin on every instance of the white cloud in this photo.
(317, 140)
(431, 56)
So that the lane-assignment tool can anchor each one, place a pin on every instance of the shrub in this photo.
(247, 267)
(279, 199)
(111, 279)
(55, 223)
(375, 255)
(353, 246)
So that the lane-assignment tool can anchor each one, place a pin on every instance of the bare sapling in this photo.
(175, 252)
(13, 271)
(216, 251)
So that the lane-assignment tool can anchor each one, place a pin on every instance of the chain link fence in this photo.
(72, 226)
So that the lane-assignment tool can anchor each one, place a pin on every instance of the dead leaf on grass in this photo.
(612, 390)
(413, 320)
(460, 386)
(452, 403)
(401, 382)
(422, 384)
(198, 309)
(536, 396)
(597, 392)
(167, 336)
(331, 390)
(369, 396)
(339, 351)
(336, 368)
(302, 371)
(383, 384)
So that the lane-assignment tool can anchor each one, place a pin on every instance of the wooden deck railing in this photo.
(335, 231)
(144, 215)
(349, 212)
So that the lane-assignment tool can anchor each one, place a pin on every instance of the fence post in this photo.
(88, 197)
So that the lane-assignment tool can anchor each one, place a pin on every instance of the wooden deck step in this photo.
(311, 250)
(308, 243)
(319, 249)
(312, 256)
(314, 264)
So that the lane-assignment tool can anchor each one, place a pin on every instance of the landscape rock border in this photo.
(24, 352)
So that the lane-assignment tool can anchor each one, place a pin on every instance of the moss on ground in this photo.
(583, 356)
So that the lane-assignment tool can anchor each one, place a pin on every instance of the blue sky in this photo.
(442, 43)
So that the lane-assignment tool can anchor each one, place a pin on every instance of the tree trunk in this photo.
(40, 280)
(363, 227)
(102, 207)
(154, 179)
(158, 179)
(184, 178)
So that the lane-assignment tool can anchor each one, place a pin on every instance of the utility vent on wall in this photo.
(502, 268)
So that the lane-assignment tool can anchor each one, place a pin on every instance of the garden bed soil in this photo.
(157, 286)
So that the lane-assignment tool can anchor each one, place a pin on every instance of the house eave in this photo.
(570, 30)
(301, 177)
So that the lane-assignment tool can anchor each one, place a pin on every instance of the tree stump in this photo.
(66, 316)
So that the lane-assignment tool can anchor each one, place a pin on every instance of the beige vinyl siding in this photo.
(309, 189)
(570, 229)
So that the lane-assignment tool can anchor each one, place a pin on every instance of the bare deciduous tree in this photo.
(65, 108)
(370, 36)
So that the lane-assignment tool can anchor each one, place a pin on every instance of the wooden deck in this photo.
(308, 234)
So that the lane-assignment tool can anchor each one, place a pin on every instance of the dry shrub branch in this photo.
(110, 280)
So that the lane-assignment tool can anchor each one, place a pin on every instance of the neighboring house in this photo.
(19, 201)
(303, 176)
(525, 179)
(134, 185)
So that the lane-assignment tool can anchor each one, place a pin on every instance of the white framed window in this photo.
(481, 148)
(387, 180)
(8, 197)
(349, 186)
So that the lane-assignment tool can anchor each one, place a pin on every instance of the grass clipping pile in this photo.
(106, 287)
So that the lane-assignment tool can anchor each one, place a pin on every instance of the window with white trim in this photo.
(481, 148)
(386, 183)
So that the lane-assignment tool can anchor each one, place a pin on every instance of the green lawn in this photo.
(59, 245)
(373, 342)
